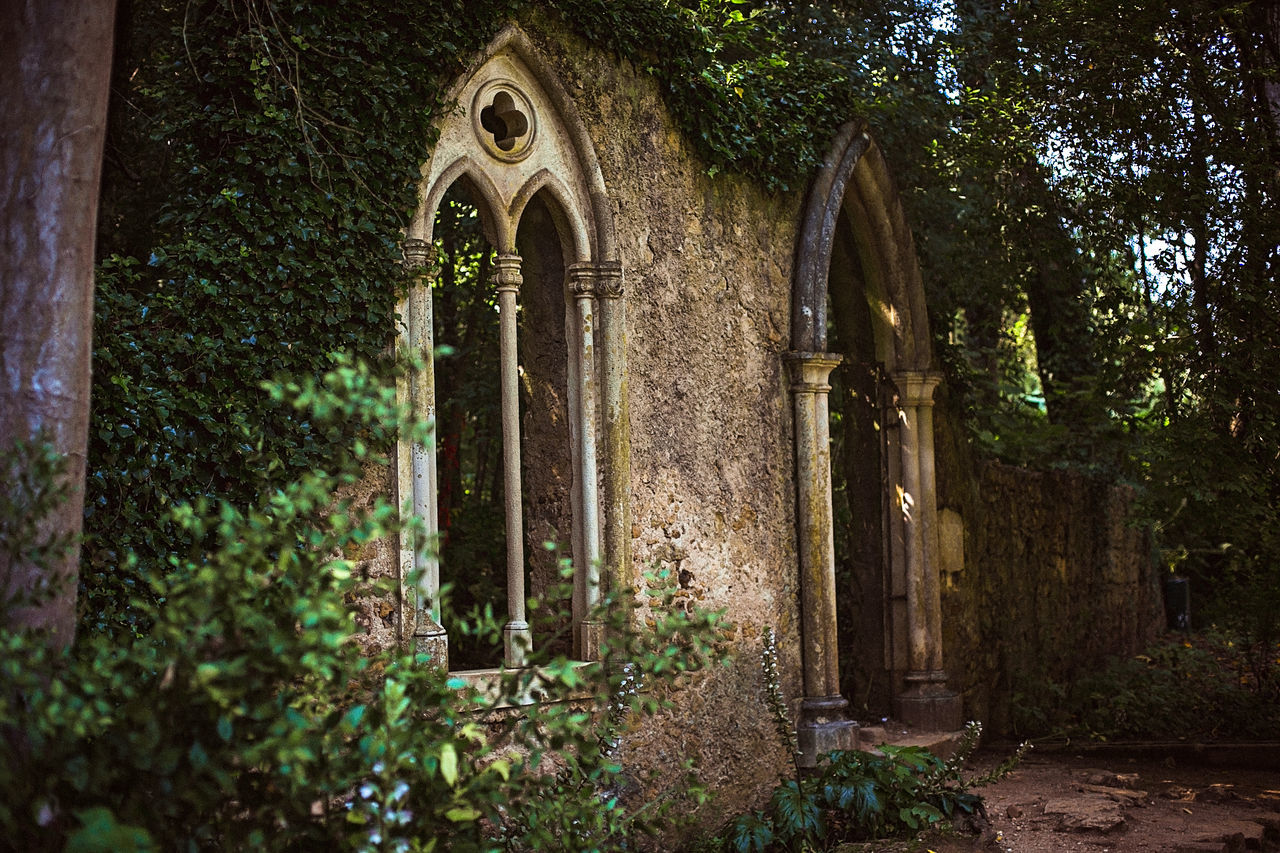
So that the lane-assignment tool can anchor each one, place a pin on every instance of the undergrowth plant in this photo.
(1212, 685)
(245, 717)
(854, 795)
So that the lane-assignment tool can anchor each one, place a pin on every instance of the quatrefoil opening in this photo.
(504, 121)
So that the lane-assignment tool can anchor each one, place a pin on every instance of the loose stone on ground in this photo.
(1061, 802)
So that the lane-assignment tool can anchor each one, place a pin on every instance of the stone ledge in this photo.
(941, 744)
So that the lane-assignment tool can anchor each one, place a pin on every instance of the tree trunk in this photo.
(54, 74)
(1056, 295)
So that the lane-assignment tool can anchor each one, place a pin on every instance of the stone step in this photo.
(941, 744)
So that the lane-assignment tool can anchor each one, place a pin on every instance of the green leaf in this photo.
(449, 764)
(462, 814)
(99, 832)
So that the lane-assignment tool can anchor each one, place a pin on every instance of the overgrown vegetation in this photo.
(860, 796)
(1103, 279)
(245, 717)
(1209, 686)
(1097, 277)
(855, 795)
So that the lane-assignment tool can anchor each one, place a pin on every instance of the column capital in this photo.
(581, 280)
(810, 370)
(419, 255)
(609, 279)
(916, 386)
(506, 273)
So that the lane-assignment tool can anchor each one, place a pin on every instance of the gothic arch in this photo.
(560, 151)
(855, 179)
(515, 136)
(853, 186)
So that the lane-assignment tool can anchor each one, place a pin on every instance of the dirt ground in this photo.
(1059, 801)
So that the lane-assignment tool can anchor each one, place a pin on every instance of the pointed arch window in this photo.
(522, 156)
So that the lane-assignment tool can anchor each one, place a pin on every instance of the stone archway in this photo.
(853, 190)
(518, 144)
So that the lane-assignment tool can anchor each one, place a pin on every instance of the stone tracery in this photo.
(515, 102)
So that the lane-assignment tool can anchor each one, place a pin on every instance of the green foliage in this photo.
(856, 796)
(1113, 183)
(1198, 687)
(262, 161)
(33, 472)
(287, 139)
(470, 496)
(245, 717)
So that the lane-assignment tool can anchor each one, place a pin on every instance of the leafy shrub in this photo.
(245, 717)
(855, 796)
(1206, 686)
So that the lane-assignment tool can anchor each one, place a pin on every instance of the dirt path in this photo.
(1060, 802)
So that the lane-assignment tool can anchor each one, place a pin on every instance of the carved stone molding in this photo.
(581, 280)
(609, 280)
(506, 273)
(419, 256)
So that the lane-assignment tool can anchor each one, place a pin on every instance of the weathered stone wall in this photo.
(1054, 580)
(707, 264)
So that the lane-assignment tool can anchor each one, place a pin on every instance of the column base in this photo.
(824, 726)
(433, 641)
(928, 705)
(517, 642)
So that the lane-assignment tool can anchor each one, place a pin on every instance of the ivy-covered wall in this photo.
(261, 168)
(262, 163)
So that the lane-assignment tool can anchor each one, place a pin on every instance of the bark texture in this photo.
(54, 74)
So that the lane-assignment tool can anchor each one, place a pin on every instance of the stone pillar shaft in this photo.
(516, 636)
(823, 724)
(912, 502)
(616, 479)
(926, 702)
(429, 635)
(582, 287)
(929, 525)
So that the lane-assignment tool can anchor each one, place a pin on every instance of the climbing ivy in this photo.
(262, 161)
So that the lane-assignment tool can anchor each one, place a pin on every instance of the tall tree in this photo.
(54, 76)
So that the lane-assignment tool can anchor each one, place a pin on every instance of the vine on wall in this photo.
(262, 160)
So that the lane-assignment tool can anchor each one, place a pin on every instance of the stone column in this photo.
(824, 724)
(925, 702)
(517, 640)
(422, 563)
(616, 464)
(582, 287)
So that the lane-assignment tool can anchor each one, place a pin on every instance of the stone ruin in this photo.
(674, 337)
